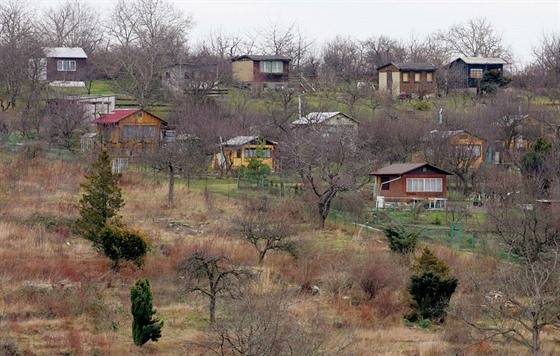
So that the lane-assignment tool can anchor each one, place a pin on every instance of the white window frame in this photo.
(64, 65)
(274, 67)
(419, 185)
(479, 72)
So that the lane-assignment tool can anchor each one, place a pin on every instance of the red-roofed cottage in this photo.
(129, 128)
(411, 181)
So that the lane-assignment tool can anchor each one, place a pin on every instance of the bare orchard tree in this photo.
(146, 36)
(547, 56)
(328, 163)
(382, 49)
(184, 156)
(264, 324)
(343, 59)
(73, 23)
(520, 299)
(66, 120)
(476, 37)
(209, 271)
(266, 229)
(20, 51)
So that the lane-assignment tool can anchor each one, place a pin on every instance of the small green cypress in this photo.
(144, 328)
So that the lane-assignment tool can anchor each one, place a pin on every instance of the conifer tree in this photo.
(144, 328)
(101, 201)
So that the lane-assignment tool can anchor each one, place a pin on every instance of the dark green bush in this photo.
(123, 244)
(401, 239)
(144, 328)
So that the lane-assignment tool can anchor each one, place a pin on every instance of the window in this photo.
(384, 184)
(429, 77)
(276, 67)
(257, 153)
(139, 131)
(417, 77)
(424, 185)
(405, 77)
(476, 73)
(65, 66)
(472, 151)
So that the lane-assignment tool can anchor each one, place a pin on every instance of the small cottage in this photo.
(258, 72)
(410, 181)
(408, 79)
(440, 146)
(467, 72)
(64, 66)
(239, 151)
(130, 128)
(332, 121)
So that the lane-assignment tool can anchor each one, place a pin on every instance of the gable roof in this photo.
(410, 66)
(64, 52)
(119, 114)
(244, 140)
(481, 60)
(319, 117)
(257, 57)
(398, 169)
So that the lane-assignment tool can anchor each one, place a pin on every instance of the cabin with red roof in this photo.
(130, 128)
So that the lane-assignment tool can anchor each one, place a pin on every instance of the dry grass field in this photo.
(59, 297)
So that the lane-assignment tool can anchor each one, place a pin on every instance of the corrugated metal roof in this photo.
(317, 117)
(411, 66)
(402, 168)
(243, 140)
(115, 116)
(482, 60)
(64, 52)
(258, 57)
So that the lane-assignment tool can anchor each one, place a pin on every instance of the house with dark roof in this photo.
(408, 79)
(64, 66)
(240, 150)
(130, 129)
(466, 72)
(410, 181)
(258, 72)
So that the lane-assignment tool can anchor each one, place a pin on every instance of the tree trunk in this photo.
(171, 185)
(212, 308)
(536, 341)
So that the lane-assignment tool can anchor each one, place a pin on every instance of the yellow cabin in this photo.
(130, 128)
(240, 150)
(464, 146)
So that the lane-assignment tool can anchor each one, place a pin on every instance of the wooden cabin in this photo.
(408, 79)
(258, 72)
(455, 145)
(64, 66)
(467, 72)
(410, 181)
(239, 151)
(130, 129)
(334, 121)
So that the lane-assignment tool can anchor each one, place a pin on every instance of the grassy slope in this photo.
(58, 295)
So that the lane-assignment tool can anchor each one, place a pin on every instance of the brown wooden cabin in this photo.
(410, 181)
(65, 66)
(408, 79)
(130, 129)
(258, 72)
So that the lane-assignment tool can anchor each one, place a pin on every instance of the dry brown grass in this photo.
(57, 295)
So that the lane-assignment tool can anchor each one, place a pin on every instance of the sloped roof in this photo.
(444, 134)
(318, 117)
(243, 140)
(482, 60)
(402, 168)
(64, 52)
(410, 66)
(115, 116)
(258, 57)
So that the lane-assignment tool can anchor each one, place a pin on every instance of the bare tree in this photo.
(547, 56)
(476, 37)
(520, 299)
(210, 272)
(146, 36)
(382, 49)
(20, 53)
(66, 120)
(73, 23)
(184, 156)
(264, 233)
(265, 325)
(328, 163)
(343, 59)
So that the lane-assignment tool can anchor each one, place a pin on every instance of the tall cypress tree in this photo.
(144, 328)
(101, 201)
